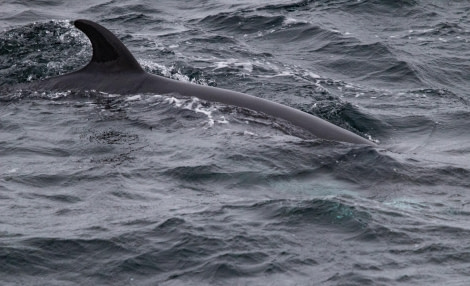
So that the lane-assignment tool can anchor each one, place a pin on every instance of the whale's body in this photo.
(113, 69)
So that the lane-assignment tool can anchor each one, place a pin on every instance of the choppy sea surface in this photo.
(148, 189)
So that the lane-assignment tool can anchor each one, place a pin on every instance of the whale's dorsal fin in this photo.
(109, 53)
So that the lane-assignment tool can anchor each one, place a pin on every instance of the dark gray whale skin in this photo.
(113, 69)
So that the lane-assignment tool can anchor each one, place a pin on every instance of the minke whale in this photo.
(113, 69)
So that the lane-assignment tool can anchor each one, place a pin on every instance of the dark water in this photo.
(98, 189)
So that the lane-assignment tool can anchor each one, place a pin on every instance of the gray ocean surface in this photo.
(150, 189)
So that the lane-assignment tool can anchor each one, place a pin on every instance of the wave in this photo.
(230, 22)
(25, 53)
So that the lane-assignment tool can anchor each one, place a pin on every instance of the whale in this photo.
(113, 69)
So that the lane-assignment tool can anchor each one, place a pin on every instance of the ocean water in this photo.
(148, 189)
